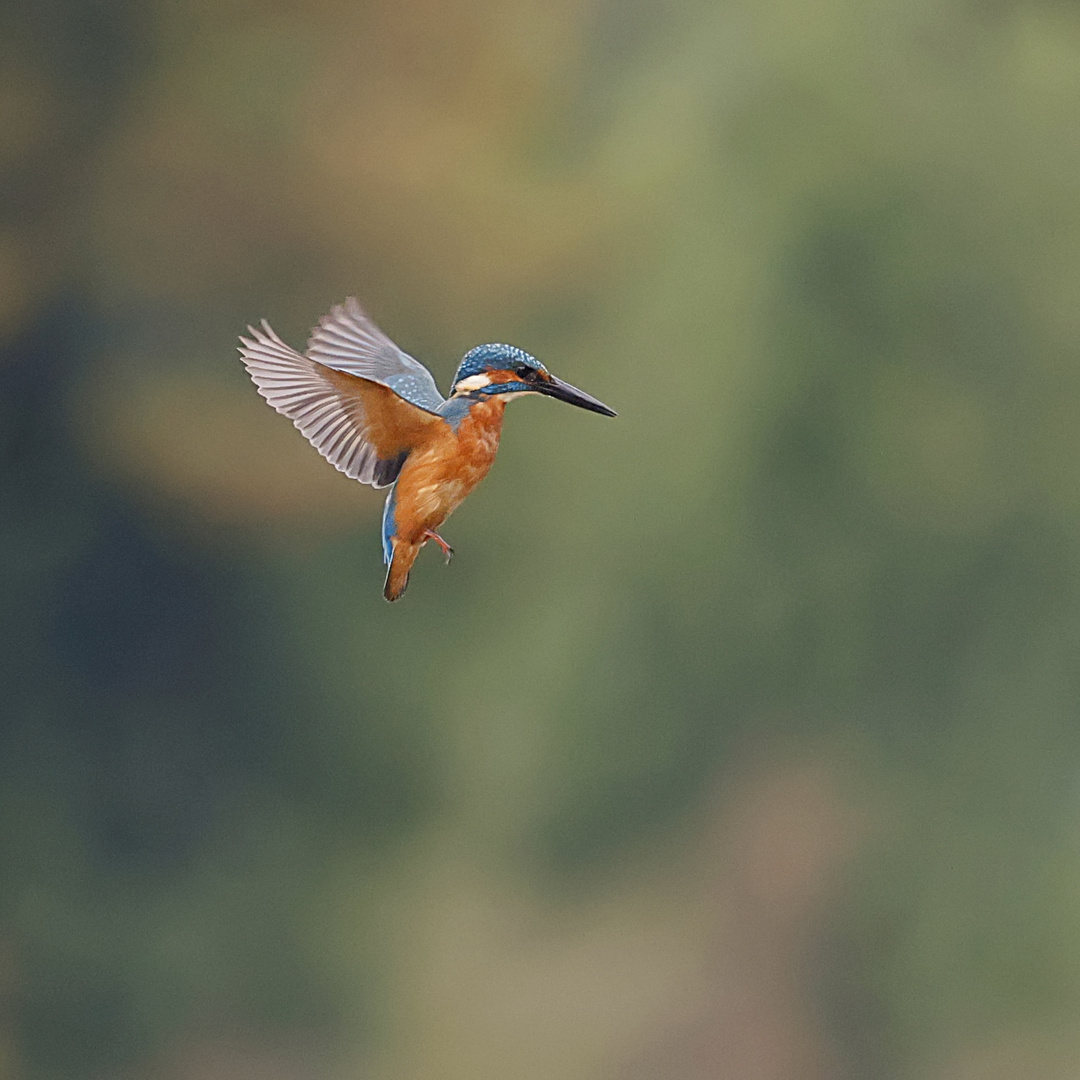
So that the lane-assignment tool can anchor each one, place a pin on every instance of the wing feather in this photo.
(347, 340)
(363, 428)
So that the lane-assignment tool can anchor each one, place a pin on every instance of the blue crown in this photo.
(493, 357)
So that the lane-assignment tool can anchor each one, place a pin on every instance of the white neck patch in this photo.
(473, 382)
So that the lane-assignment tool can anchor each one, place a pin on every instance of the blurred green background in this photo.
(742, 738)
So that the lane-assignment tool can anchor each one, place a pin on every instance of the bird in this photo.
(376, 414)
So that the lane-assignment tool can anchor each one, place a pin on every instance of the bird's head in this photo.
(503, 369)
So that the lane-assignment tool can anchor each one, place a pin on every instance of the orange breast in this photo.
(438, 475)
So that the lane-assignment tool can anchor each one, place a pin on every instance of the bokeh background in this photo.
(742, 738)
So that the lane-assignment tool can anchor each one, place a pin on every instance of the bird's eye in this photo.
(524, 371)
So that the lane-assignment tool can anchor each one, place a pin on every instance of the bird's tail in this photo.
(401, 562)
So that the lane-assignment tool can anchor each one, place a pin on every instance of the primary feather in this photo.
(357, 398)
(299, 388)
(347, 340)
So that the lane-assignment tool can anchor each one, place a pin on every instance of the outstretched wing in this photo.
(347, 340)
(363, 428)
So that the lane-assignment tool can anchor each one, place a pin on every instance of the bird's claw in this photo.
(447, 550)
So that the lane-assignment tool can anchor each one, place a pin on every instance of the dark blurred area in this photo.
(742, 738)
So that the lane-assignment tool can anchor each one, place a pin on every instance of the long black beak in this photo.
(556, 388)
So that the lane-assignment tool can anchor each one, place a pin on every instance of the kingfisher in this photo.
(376, 415)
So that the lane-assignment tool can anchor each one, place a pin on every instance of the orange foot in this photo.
(447, 550)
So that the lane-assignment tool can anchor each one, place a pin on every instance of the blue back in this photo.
(455, 409)
(389, 525)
